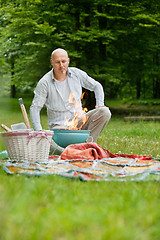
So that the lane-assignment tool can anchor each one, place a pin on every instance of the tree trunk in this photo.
(102, 46)
(138, 87)
(157, 88)
(13, 91)
(89, 97)
(13, 88)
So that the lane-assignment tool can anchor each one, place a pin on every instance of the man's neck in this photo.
(60, 77)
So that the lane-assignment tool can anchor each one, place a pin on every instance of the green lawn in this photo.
(52, 207)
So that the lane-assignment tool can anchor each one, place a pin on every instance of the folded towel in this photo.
(94, 151)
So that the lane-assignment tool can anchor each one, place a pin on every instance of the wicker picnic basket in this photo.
(28, 145)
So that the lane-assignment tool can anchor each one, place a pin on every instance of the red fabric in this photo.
(94, 151)
(55, 157)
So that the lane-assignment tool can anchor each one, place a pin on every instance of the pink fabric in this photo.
(94, 151)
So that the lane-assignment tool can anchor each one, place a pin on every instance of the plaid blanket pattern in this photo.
(90, 163)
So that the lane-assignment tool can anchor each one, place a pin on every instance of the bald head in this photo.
(59, 51)
(60, 62)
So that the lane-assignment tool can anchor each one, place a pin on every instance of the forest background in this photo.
(117, 42)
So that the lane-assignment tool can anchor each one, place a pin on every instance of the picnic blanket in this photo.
(89, 161)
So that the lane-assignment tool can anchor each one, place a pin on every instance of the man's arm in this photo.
(35, 117)
(99, 94)
(92, 85)
(37, 104)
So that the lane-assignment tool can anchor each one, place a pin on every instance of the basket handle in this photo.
(35, 134)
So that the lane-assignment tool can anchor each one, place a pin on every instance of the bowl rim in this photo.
(61, 130)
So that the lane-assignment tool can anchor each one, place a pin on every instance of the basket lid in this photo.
(27, 132)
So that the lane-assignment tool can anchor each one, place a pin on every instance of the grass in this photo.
(141, 138)
(52, 207)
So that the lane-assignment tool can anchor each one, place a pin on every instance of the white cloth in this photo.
(63, 89)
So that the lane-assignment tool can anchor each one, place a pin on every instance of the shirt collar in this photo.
(68, 73)
(52, 74)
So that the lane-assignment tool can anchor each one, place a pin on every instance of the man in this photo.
(54, 90)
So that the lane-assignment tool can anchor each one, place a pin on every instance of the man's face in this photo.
(60, 62)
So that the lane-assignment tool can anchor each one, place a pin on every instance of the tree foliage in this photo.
(116, 42)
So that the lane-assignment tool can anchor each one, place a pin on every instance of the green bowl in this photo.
(65, 137)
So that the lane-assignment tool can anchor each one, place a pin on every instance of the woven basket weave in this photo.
(28, 145)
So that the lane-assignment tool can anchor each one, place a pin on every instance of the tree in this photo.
(116, 42)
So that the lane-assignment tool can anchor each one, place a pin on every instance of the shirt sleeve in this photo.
(37, 104)
(93, 85)
(99, 94)
(35, 117)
